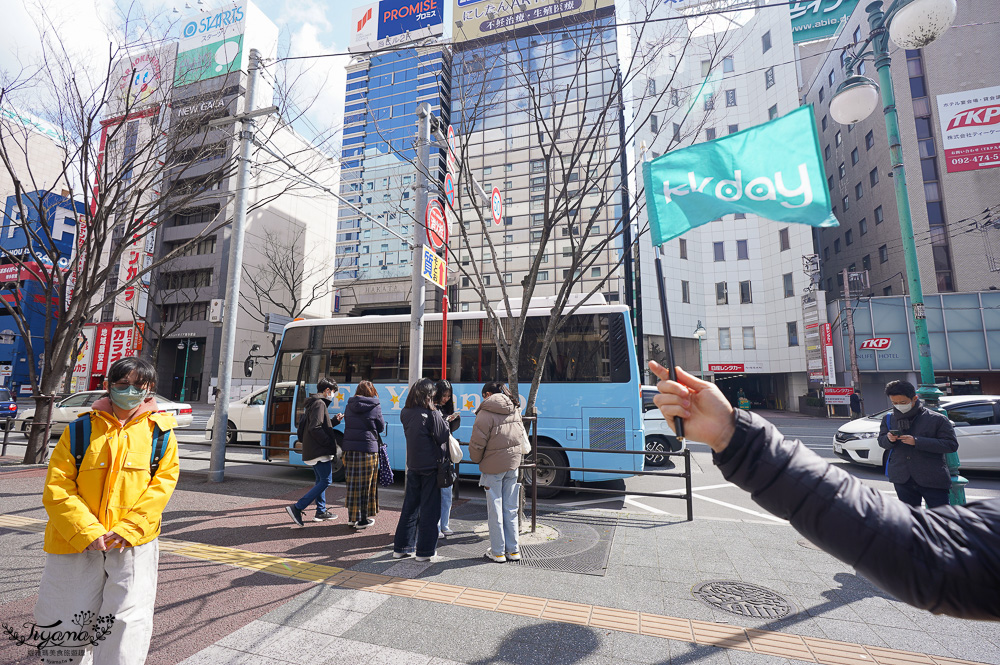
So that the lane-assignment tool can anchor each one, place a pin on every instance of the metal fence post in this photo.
(534, 474)
(6, 433)
(687, 483)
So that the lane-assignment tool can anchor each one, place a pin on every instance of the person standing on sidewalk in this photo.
(426, 442)
(109, 480)
(855, 405)
(495, 446)
(446, 405)
(945, 560)
(917, 440)
(319, 449)
(363, 422)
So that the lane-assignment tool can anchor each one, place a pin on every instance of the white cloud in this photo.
(319, 83)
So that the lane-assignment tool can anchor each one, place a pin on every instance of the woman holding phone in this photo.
(446, 405)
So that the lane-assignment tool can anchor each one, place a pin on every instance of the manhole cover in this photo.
(743, 598)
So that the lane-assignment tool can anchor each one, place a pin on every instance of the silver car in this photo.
(977, 427)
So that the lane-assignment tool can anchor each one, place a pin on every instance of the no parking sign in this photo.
(496, 206)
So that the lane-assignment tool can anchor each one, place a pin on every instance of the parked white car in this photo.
(977, 427)
(70, 408)
(659, 436)
(246, 417)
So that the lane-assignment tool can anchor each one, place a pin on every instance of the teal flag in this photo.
(774, 170)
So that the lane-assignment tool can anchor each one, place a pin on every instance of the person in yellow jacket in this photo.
(105, 504)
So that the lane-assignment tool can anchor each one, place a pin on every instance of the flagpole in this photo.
(667, 341)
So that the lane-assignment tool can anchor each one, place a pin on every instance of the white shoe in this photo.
(495, 558)
(446, 532)
(423, 559)
(401, 555)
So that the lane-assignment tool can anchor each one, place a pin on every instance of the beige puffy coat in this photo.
(495, 444)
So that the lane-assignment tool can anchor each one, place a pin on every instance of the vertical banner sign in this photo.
(496, 206)
(774, 170)
(433, 268)
(970, 129)
(828, 366)
(452, 149)
(101, 346)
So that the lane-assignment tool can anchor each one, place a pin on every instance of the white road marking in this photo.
(633, 502)
(766, 516)
(636, 496)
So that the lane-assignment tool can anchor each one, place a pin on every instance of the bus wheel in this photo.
(656, 444)
(548, 477)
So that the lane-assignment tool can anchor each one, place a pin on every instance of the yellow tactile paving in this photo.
(795, 647)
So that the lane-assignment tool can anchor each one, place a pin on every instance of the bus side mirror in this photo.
(248, 367)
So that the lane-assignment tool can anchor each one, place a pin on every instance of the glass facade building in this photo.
(378, 158)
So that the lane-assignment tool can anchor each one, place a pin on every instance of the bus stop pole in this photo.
(417, 288)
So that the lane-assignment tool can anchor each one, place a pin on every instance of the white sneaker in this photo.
(423, 559)
(446, 532)
(495, 558)
(401, 555)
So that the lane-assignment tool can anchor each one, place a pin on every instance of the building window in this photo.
(682, 246)
(654, 123)
(869, 140)
(746, 296)
(824, 123)
(710, 134)
(832, 77)
(793, 333)
(728, 65)
(859, 191)
(186, 279)
(769, 77)
(883, 254)
(827, 152)
(742, 250)
(465, 307)
(595, 272)
(772, 112)
(749, 338)
(873, 177)
(784, 242)
(887, 291)
(543, 276)
(685, 291)
(651, 86)
(677, 132)
(765, 41)
(721, 294)
(821, 93)
(465, 281)
(836, 246)
(508, 167)
(706, 67)
(840, 279)
(487, 170)
(855, 156)
(866, 262)
(842, 171)
(838, 139)
(725, 340)
(536, 235)
(730, 98)
(740, 215)
(847, 203)
(733, 129)
(719, 250)
(829, 183)
(788, 285)
(709, 101)
(849, 237)
(863, 226)
(508, 278)
(826, 253)
(878, 215)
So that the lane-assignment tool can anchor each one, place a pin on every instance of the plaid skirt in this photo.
(362, 485)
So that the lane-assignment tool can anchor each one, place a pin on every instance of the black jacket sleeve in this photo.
(455, 424)
(377, 419)
(883, 439)
(439, 428)
(945, 560)
(943, 439)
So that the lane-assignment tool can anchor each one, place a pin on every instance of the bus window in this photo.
(372, 351)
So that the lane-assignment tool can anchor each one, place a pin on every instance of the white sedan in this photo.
(659, 436)
(70, 408)
(977, 427)
(246, 419)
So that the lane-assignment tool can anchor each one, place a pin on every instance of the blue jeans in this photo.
(419, 515)
(324, 478)
(501, 508)
(445, 508)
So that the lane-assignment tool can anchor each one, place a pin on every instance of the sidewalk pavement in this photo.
(240, 584)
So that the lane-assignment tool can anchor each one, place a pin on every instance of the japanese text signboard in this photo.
(813, 20)
(970, 129)
(437, 226)
(836, 395)
(434, 268)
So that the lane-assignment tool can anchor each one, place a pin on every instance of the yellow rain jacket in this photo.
(113, 490)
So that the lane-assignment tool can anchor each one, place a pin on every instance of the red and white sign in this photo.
(496, 206)
(970, 129)
(877, 343)
(735, 368)
(101, 343)
(829, 370)
(452, 149)
(837, 395)
(113, 342)
(437, 226)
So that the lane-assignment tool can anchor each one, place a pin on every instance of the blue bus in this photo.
(589, 396)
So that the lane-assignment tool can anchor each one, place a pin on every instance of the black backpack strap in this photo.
(160, 439)
(79, 439)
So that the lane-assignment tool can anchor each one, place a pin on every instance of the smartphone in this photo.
(895, 432)
(451, 417)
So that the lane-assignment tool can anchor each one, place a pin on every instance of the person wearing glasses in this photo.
(109, 480)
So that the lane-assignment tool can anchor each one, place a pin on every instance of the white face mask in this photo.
(903, 408)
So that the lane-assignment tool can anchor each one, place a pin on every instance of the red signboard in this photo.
(837, 395)
(725, 369)
(101, 344)
(437, 226)
(878, 343)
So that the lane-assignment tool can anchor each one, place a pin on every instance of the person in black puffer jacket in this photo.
(362, 422)
(426, 438)
(945, 560)
(445, 401)
(319, 449)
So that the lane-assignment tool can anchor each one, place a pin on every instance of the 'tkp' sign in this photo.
(877, 343)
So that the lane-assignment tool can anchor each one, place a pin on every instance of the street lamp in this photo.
(910, 24)
(700, 333)
(187, 348)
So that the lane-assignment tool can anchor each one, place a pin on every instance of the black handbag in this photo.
(447, 475)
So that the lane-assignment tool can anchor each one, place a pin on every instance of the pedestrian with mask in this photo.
(109, 480)
(446, 405)
(319, 449)
(426, 443)
(363, 422)
(917, 440)
(495, 445)
(945, 560)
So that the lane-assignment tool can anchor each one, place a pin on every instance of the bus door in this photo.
(313, 366)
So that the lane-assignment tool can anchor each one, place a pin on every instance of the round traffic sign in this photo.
(437, 227)
(449, 189)
(496, 206)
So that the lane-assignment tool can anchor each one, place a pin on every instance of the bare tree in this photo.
(127, 171)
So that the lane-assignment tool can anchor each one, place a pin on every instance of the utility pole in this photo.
(217, 464)
(417, 293)
(849, 319)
